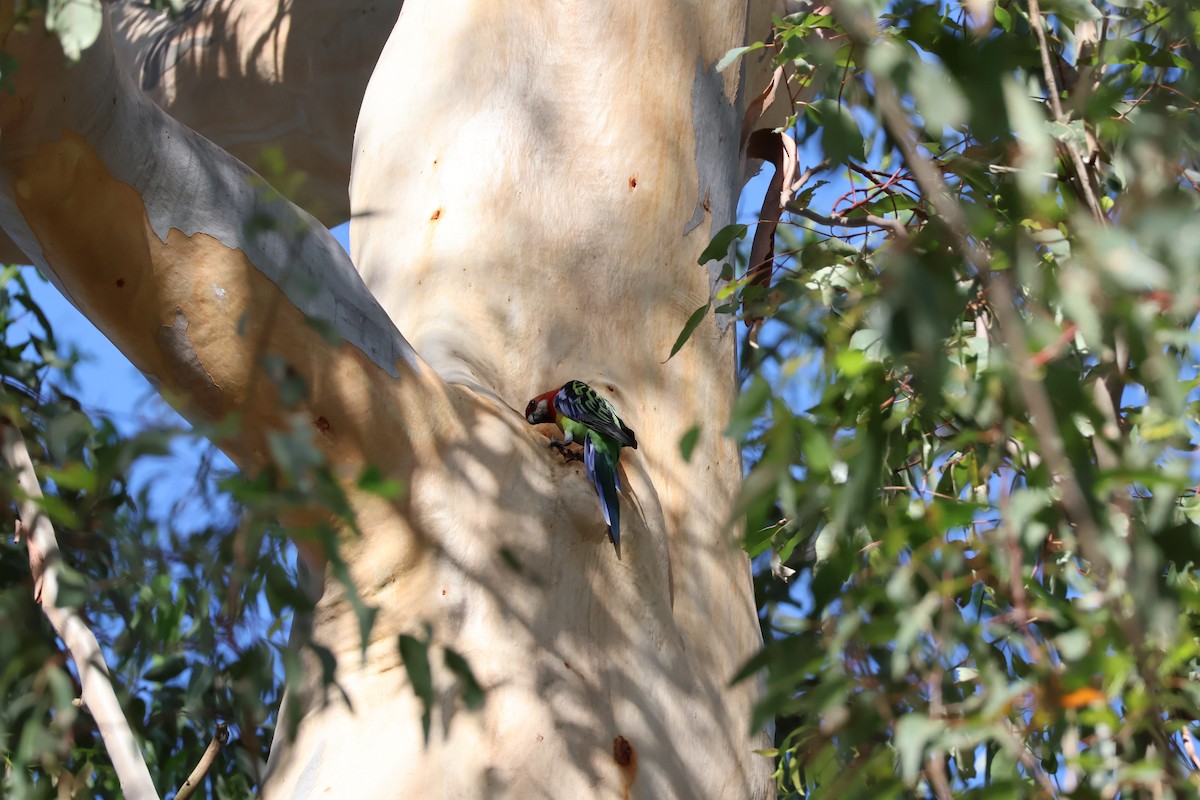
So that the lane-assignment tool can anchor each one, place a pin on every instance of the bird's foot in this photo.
(561, 446)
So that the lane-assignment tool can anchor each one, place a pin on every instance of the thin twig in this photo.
(1018, 171)
(97, 689)
(922, 492)
(1082, 174)
(872, 194)
(894, 225)
(206, 761)
(1149, 24)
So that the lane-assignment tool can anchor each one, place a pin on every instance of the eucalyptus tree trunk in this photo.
(532, 185)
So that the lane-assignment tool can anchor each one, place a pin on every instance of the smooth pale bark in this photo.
(536, 184)
(277, 84)
(558, 176)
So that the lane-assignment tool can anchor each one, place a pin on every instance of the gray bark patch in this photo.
(716, 124)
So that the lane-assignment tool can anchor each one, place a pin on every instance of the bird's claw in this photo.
(561, 446)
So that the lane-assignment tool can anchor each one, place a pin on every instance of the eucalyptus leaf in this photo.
(414, 653)
(689, 328)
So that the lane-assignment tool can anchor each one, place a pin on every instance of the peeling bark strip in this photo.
(779, 149)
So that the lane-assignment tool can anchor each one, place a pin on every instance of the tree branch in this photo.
(196, 269)
(894, 225)
(97, 690)
(1082, 174)
(189, 787)
(277, 86)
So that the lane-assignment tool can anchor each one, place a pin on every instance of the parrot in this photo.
(582, 414)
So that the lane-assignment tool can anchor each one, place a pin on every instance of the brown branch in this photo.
(872, 194)
(97, 689)
(220, 738)
(1043, 419)
(1082, 174)
(894, 225)
(935, 773)
(1052, 351)
(780, 150)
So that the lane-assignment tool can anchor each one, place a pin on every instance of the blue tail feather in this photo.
(603, 474)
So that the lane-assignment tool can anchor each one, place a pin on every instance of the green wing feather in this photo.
(579, 402)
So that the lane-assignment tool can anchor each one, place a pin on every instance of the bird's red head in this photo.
(541, 408)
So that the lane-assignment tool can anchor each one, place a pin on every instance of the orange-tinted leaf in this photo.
(1082, 697)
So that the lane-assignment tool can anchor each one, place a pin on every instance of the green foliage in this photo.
(972, 411)
(177, 613)
(193, 624)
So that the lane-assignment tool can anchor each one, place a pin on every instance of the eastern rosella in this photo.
(582, 414)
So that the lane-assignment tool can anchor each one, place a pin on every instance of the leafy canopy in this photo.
(969, 401)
